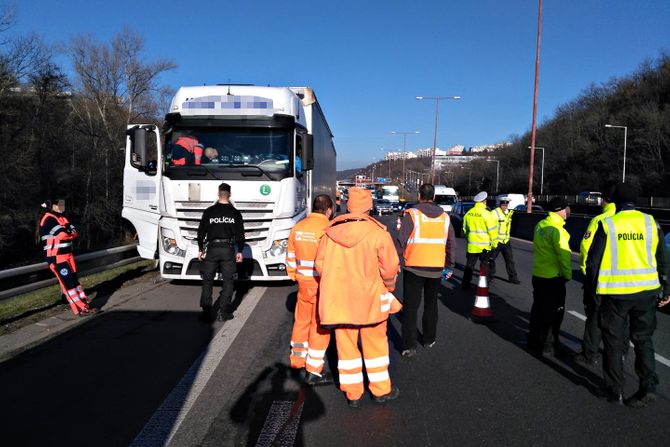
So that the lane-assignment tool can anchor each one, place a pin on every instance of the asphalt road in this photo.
(146, 372)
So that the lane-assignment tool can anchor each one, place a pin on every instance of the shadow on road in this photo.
(272, 407)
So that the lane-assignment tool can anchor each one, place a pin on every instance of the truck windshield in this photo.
(445, 200)
(251, 151)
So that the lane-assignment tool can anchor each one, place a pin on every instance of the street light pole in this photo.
(404, 148)
(497, 171)
(529, 207)
(625, 139)
(538, 148)
(437, 106)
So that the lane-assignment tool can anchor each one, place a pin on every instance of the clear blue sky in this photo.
(367, 60)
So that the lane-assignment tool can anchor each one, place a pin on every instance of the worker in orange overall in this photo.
(358, 264)
(308, 341)
(56, 236)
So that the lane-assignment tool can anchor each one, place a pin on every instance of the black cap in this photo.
(224, 187)
(623, 193)
(557, 204)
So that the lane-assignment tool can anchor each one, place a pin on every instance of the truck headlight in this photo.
(277, 250)
(170, 243)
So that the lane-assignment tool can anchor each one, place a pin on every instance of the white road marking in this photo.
(165, 422)
(659, 358)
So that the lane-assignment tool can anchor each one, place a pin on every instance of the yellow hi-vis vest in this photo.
(629, 260)
(480, 229)
(426, 246)
(504, 224)
(608, 211)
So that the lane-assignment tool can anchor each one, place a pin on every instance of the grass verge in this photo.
(38, 302)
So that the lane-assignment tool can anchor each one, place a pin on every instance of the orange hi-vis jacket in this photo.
(427, 244)
(302, 245)
(56, 235)
(358, 264)
(191, 145)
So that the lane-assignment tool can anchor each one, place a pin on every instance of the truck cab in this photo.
(271, 144)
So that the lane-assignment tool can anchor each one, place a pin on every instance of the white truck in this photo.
(271, 144)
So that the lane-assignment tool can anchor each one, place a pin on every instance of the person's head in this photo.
(481, 196)
(323, 204)
(224, 192)
(55, 204)
(623, 193)
(560, 206)
(504, 203)
(211, 153)
(360, 200)
(426, 193)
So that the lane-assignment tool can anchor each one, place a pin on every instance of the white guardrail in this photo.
(42, 267)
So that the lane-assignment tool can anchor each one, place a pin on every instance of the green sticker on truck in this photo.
(265, 190)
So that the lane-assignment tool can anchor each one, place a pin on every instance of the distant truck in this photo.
(445, 197)
(271, 144)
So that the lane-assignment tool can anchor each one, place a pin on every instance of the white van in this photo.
(514, 200)
(445, 197)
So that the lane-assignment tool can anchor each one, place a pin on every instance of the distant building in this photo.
(486, 148)
(455, 150)
(428, 152)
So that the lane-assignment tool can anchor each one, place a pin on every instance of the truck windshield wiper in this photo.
(206, 169)
(261, 170)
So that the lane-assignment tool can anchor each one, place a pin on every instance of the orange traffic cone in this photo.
(482, 306)
(398, 224)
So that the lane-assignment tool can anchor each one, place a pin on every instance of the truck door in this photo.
(141, 185)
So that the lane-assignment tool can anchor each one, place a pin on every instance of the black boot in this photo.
(206, 315)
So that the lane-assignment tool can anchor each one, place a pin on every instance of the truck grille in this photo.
(257, 219)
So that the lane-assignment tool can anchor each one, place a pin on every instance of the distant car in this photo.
(397, 206)
(667, 241)
(384, 206)
(535, 209)
(456, 214)
(590, 198)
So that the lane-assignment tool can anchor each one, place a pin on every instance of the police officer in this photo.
(220, 233)
(591, 338)
(504, 217)
(481, 232)
(552, 268)
(428, 244)
(628, 266)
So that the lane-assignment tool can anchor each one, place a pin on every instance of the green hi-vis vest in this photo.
(480, 229)
(504, 224)
(629, 261)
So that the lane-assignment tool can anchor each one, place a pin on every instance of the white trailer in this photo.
(271, 144)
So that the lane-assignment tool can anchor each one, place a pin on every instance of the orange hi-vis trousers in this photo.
(65, 270)
(308, 340)
(374, 343)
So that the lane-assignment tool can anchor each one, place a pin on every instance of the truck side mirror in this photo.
(308, 152)
(138, 147)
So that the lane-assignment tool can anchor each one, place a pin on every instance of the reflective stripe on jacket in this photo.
(552, 256)
(587, 240)
(302, 245)
(427, 244)
(56, 235)
(358, 264)
(629, 261)
(504, 224)
(480, 229)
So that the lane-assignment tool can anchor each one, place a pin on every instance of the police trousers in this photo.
(547, 312)
(470, 262)
(615, 310)
(221, 259)
(508, 256)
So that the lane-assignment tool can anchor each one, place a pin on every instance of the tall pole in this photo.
(404, 149)
(497, 171)
(533, 127)
(625, 139)
(538, 148)
(437, 108)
